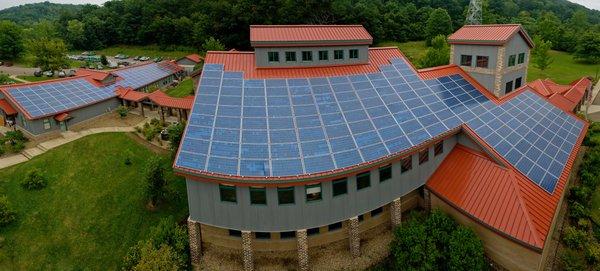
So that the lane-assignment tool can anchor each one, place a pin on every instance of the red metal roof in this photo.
(245, 62)
(499, 196)
(96, 75)
(129, 94)
(561, 102)
(163, 99)
(565, 97)
(194, 57)
(62, 116)
(492, 34)
(7, 108)
(288, 35)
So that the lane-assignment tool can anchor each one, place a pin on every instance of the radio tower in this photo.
(474, 15)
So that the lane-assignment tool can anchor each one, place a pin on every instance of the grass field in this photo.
(563, 70)
(149, 50)
(92, 211)
(32, 78)
(185, 88)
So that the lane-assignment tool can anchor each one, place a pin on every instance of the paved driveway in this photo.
(17, 70)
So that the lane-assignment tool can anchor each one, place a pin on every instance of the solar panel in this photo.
(308, 125)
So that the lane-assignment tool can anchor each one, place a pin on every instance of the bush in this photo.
(412, 248)
(35, 180)
(16, 147)
(466, 251)
(572, 260)
(577, 211)
(175, 135)
(580, 194)
(7, 215)
(151, 129)
(574, 238)
(154, 174)
(592, 253)
(122, 111)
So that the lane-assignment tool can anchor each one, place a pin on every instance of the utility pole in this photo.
(475, 13)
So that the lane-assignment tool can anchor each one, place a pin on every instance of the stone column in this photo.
(499, 72)
(247, 253)
(426, 199)
(354, 237)
(302, 239)
(396, 212)
(195, 241)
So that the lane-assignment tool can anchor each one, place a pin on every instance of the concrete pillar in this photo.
(302, 239)
(427, 199)
(354, 237)
(452, 54)
(396, 212)
(195, 241)
(247, 253)
(499, 72)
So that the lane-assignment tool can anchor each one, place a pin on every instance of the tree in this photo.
(75, 35)
(49, 54)
(175, 135)
(465, 251)
(439, 23)
(588, 48)
(541, 58)
(438, 54)
(11, 40)
(154, 174)
(212, 44)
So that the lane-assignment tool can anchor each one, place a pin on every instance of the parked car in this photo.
(158, 59)
(144, 58)
(124, 63)
(49, 73)
(121, 56)
(62, 74)
(90, 53)
(136, 58)
(38, 72)
(112, 65)
(71, 73)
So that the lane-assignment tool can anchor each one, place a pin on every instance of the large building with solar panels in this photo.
(50, 106)
(315, 139)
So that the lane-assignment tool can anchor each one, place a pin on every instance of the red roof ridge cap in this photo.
(487, 25)
(523, 204)
(229, 52)
(384, 48)
(437, 68)
(304, 25)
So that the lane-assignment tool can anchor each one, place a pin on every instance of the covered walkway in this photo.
(165, 103)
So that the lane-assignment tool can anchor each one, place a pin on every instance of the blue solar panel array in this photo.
(53, 97)
(278, 127)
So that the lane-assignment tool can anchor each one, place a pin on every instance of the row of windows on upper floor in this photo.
(290, 56)
(285, 195)
(483, 61)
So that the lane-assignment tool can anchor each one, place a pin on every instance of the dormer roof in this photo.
(308, 35)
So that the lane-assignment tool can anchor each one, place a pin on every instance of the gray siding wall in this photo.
(262, 59)
(36, 127)
(476, 50)
(487, 80)
(206, 207)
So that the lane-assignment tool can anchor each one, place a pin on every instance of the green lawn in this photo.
(92, 211)
(32, 78)
(563, 70)
(185, 88)
(149, 50)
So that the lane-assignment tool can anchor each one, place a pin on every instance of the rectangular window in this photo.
(353, 53)
(338, 54)
(287, 234)
(334, 226)
(258, 195)
(483, 62)
(340, 187)
(377, 211)
(290, 56)
(227, 193)
(512, 60)
(466, 60)
(313, 192)
(521, 58)
(518, 82)
(385, 173)
(438, 148)
(323, 55)
(306, 56)
(273, 56)
(285, 195)
(313, 231)
(235, 233)
(423, 156)
(508, 87)
(363, 180)
(47, 124)
(406, 164)
(262, 235)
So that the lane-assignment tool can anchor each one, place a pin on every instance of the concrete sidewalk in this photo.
(65, 138)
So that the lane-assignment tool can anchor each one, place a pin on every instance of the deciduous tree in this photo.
(541, 57)
(588, 48)
(439, 23)
(154, 174)
(11, 40)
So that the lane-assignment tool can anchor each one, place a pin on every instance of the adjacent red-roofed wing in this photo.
(492, 34)
(7, 108)
(298, 35)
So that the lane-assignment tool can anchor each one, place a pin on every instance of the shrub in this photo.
(2, 151)
(7, 214)
(580, 194)
(592, 253)
(584, 223)
(16, 147)
(466, 250)
(154, 174)
(35, 180)
(412, 248)
(122, 111)
(572, 260)
(138, 129)
(577, 211)
(175, 135)
(574, 238)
